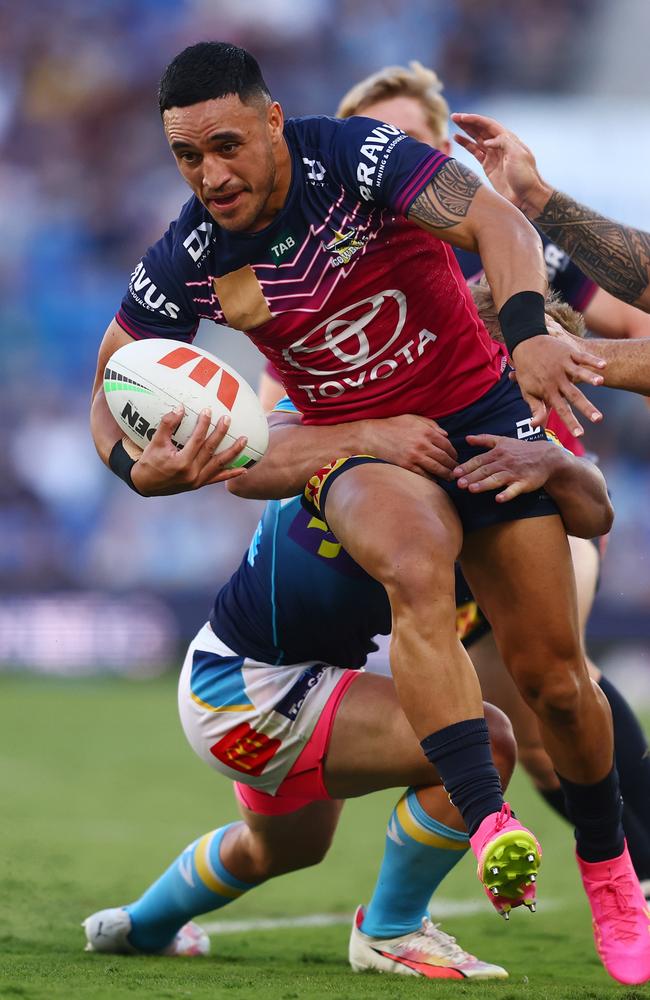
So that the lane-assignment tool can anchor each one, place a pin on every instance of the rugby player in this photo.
(412, 99)
(267, 196)
(271, 696)
(615, 256)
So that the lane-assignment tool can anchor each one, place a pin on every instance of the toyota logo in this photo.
(344, 335)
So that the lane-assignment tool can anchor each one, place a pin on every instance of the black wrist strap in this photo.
(121, 464)
(521, 318)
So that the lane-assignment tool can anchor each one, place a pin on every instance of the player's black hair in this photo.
(210, 70)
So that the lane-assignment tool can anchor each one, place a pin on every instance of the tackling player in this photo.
(615, 256)
(349, 326)
(272, 697)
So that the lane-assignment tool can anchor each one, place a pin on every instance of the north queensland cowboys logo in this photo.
(344, 246)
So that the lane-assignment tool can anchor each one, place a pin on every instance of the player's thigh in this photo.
(372, 745)
(387, 518)
(586, 566)
(522, 577)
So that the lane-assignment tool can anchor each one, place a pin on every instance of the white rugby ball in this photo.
(146, 379)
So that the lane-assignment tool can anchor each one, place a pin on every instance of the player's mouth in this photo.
(224, 202)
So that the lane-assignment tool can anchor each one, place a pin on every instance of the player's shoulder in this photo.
(327, 133)
(188, 238)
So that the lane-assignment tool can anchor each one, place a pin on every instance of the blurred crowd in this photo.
(86, 183)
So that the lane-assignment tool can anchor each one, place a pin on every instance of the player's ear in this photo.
(275, 119)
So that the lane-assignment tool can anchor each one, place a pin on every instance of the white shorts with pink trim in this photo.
(251, 720)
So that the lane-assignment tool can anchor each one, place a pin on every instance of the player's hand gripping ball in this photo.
(148, 378)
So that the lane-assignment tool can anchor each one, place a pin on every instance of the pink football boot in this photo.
(509, 856)
(621, 918)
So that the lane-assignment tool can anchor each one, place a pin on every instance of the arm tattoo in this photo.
(616, 257)
(446, 200)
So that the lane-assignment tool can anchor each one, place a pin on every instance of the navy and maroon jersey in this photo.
(361, 312)
(564, 276)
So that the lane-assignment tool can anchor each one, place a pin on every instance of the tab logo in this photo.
(282, 247)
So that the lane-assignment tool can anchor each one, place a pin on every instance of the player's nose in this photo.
(216, 174)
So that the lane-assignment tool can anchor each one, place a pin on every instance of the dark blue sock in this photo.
(462, 756)
(596, 812)
(633, 765)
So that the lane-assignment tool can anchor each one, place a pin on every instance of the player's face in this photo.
(234, 158)
(408, 114)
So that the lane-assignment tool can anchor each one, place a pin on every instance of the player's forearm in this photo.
(628, 363)
(615, 256)
(104, 430)
(295, 452)
(579, 489)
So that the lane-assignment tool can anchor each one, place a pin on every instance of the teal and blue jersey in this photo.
(297, 595)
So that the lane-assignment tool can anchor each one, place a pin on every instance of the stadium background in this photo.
(92, 578)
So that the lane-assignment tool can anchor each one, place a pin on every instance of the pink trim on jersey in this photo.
(304, 782)
(132, 331)
(416, 184)
(589, 290)
(126, 326)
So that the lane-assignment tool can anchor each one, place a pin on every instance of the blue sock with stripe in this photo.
(419, 853)
(196, 882)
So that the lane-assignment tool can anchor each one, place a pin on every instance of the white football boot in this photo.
(108, 931)
(427, 952)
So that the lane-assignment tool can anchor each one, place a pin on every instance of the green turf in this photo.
(99, 792)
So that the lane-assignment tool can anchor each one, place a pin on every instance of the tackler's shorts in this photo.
(500, 411)
(254, 721)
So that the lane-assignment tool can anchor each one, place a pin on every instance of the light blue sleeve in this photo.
(285, 405)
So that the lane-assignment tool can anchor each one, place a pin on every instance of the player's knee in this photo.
(555, 696)
(502, 740)
(417, 567)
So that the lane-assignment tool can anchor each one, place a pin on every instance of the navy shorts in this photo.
(501, 411)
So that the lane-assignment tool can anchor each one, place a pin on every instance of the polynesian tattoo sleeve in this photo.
(615, 256)
(446, 200)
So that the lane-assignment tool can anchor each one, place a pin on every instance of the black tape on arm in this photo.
(521, 318)
(121, 463)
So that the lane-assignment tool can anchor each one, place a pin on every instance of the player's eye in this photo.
(229, 147)
(188, 157)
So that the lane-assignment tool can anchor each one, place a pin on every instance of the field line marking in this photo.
(439, 910)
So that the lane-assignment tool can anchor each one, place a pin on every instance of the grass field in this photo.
(99, 792)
